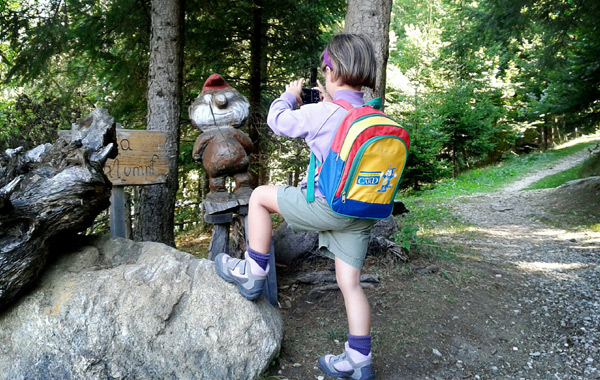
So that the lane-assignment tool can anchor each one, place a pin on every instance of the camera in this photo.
(310, 95)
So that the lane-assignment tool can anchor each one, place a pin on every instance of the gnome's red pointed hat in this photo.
(215, 82)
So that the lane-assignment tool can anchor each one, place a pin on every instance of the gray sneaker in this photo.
(238, 272)
(348, 368)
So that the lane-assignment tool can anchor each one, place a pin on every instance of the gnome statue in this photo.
(218, 111)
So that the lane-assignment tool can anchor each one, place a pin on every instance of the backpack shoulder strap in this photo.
(376, 103)
(344, 104)
(310, 183)
(314, 164)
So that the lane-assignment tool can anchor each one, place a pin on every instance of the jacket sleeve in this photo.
(285, 121)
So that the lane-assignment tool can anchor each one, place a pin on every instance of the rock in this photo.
(399, 208)
(290, 245)
(426, 270)
(384, 228)
(500, 207)
(591, 183)
(117, 309)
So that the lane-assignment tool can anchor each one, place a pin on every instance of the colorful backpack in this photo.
(362, 171)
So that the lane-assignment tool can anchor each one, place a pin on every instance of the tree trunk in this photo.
(256, 119)
(48, 195)
(373, 19)
(155, 218)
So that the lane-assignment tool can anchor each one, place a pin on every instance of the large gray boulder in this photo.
(117, 309)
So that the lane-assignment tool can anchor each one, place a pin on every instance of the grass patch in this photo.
(430, 214)
(338, 334)
(491, 178)
(590, 167)
(194, 241)
(594, 227)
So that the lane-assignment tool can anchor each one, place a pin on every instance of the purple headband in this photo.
(326, 59)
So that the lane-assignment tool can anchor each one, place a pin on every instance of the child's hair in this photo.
(352, 58)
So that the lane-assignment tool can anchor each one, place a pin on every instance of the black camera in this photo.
(310, 95)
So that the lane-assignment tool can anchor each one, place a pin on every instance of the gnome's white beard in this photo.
(234, 115)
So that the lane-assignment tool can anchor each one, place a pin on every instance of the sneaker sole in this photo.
(366, 372)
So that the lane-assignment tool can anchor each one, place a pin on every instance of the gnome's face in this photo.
(219, 106)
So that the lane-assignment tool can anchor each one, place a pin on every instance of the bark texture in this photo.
(373, 19)
(155, 215)
(50, 193)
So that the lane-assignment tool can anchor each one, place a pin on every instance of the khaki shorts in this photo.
(341, 236)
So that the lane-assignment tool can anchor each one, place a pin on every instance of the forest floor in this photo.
(510, 289)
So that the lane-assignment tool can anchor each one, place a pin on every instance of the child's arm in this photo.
(284, 120)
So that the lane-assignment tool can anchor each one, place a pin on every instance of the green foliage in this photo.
(467, 119)
(336, 333)
(493, 177)
(293, 34)
(424, 165)
(29, 121)
(83, 47)
(406, 237)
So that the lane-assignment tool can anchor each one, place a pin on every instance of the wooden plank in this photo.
(142, 158)
(218, 218)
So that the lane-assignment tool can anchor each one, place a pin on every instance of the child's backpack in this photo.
(361, 173)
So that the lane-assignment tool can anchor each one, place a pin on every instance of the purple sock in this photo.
(261, 259)
(361, 344)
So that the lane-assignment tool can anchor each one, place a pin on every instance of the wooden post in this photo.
(118, 217)
(118, 222)
(219, 241)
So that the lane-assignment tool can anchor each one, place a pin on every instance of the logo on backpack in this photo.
(368, 178)
(389, 174)
(351, 177)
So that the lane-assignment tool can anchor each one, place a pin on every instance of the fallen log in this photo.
(48, 193)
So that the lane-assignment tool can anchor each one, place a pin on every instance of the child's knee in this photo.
(348, 283)
(258, 194)
(264, 196)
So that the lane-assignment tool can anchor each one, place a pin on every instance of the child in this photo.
(348, 63)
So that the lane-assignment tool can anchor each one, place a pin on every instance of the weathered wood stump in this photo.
(48, 193)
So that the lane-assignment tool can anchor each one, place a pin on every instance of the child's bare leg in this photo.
(263, 202)
(355, 300)
(355, 362)
(250, 279)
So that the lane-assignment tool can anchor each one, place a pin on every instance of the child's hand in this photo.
(324, 94)
(295, 88)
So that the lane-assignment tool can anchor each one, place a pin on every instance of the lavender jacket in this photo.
(315, 123)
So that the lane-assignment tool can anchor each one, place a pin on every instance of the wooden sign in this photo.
(142, 158)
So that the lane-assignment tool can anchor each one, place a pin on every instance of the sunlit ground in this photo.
(579, 140)
(510, 243)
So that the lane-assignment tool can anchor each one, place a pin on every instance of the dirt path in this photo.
(518, 298)
(563, 165)
(557, 276)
